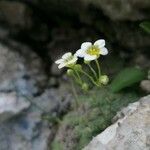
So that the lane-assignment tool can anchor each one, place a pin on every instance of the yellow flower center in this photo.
(93, 50)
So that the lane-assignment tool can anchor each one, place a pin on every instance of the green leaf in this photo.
(126, 78)
(146, 26)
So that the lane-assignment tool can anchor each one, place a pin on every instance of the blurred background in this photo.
(34, 33)
(50, 27)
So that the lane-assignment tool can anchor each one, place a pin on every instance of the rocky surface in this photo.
(122, 10)
(145, 85)
(11, 104)
(21, 70)
(26, 97)
(130, 132)
(115, 9)
(29, 131)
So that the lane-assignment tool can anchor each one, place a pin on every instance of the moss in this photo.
(93, 115)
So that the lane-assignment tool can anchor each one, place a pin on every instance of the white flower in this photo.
(67, 60)
(91, 51)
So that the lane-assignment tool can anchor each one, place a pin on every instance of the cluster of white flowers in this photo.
(88, 52)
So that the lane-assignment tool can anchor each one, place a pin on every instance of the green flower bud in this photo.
(78, 67)
(104, 79)
(70, 72)
(85, 86)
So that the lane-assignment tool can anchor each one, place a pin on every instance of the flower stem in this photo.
(98, 67)
(89, 77)
(76, 78)
(75, 94)
(93, 71)
(78, 75)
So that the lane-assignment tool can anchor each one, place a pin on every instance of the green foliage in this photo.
(93, 115)
(57, 146)
(126, 78)
(146, 26)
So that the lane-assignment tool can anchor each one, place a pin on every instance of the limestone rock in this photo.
(21, 70)
(11, 104)
(122, 10)
(131, 132)
(145, 85)
(25, 133)
(115, 9)
(22, 77)
(29, 131)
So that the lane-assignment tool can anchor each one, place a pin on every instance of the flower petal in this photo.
(100, 43)
(80, 53)
(66, 55)
(72, 61)
(61, 65)
(90, 57)
(85, 45)
(59, 61)
(103, 51)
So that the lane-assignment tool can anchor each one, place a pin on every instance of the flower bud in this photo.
(104, 79)
(77, 67)
(70, 72)
(85, 86)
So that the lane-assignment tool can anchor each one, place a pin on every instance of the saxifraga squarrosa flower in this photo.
(90, 51)
(67, 60)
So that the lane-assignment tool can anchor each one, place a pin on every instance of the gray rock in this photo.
(145, 85)
(24, 82)
(122, 10)
(30, 131)
(23, 76)
(141, 60)
(11, 104)
(21, 70)
(131, 132)
(115, 9)
(26, 133)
